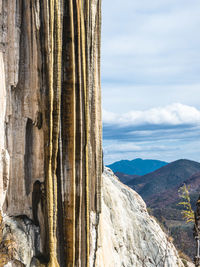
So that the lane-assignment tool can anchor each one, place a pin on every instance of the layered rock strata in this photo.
(50, 124)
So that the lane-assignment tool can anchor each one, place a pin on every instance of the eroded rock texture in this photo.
(128, 236)
(50, 125)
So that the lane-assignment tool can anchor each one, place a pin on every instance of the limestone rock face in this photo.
(128, 236)
(50, 125)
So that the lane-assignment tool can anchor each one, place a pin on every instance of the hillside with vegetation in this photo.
(160, 188)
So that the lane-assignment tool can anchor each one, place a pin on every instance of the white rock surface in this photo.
(128, 236)
(4, 156)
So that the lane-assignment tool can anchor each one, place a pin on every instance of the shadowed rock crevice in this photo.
(60, 219)
(36, 199)
(28, 157)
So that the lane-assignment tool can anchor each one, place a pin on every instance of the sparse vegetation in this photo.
(184, 262)
(187, 212)
(185, 259)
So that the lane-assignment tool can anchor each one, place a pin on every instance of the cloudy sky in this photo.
(151, 79)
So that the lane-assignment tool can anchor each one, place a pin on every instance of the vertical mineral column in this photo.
(53, 46)
(68, 131)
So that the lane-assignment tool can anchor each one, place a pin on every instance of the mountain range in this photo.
(170, 176)
(160, 188)
(136, 166)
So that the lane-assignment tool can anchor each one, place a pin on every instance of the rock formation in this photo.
(51, 152)
(128, 236)
(50, 124)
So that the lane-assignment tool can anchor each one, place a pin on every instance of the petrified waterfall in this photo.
(50, 125)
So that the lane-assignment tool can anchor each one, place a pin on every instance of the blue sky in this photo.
(151, 79)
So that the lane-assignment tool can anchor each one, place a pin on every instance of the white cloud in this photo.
(174, 114)
(150, 58)
(167, 133)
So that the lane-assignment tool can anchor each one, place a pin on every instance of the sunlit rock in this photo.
(128, 235)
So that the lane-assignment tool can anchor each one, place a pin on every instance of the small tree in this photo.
(190, 216)
(187, 212)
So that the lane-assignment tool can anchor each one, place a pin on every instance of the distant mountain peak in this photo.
(137, 159)
(137, 166)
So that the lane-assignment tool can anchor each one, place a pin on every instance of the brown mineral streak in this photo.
(79, 147)
(86, 109)
(51, 58)
(70, 125)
